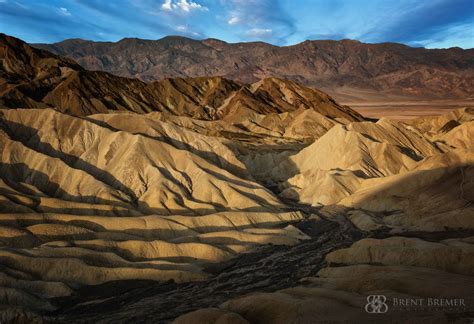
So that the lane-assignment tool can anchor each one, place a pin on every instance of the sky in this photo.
(418, 23)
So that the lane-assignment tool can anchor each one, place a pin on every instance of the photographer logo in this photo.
(376, 304)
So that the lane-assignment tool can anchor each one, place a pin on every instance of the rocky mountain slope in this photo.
(127, 201)
(32, 78)
(345, 68)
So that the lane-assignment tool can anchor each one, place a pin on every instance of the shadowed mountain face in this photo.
(32, 78)
(339, 67)
(206, 200)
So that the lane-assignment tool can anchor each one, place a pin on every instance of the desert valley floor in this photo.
(208, 200)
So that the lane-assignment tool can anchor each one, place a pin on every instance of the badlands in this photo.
(207, 200)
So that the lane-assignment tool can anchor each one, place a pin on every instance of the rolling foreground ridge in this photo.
(207, 200)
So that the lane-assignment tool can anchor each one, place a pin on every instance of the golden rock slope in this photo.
(110, 197)
(428, 192)
(83, 203)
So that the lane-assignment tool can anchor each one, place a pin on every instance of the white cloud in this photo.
(260, 32)
(185, 30)
(233, 20)
(259, 19)
(64, 11)
(182, 5)
(22, 5)
(188, 6)
(166, 5)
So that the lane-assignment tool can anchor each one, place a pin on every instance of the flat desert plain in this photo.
(408, 109)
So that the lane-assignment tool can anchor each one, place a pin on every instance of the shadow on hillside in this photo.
(270, 268)
(210, 157)
(445, 188)
(267, 268)
(17, 175)
(29, 137)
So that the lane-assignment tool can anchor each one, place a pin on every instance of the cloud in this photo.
(233, 20)
(420, 22)
(89, 19)
(167, 5)
(187, 31)
(434, 23)
(35, 23)
(182, 5)
(21, 5)
(174, 16)
(64, 11)
(135, 20)
(331, 36)
(260, 32)
(260, 19)
(412, 22)
(461, 35)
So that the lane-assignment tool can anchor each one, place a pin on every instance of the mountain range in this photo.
(346, 69)
(52, 81)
